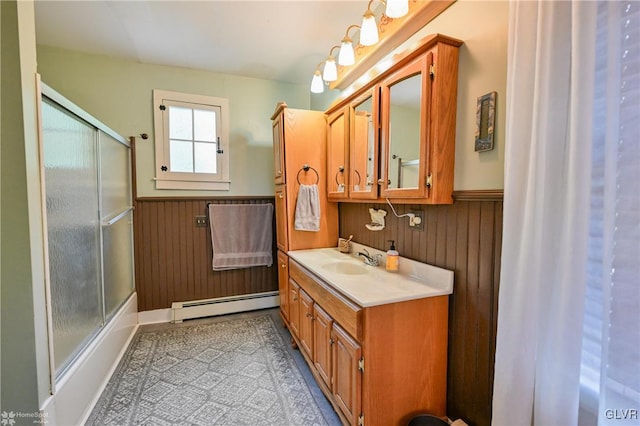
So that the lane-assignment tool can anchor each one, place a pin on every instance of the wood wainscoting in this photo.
(173, 256)
(465, 237)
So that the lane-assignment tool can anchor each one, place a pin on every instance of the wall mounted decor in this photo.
(485, 116)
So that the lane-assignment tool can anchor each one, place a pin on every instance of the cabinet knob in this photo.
(281, 195)
(331, 342)
(283, 265)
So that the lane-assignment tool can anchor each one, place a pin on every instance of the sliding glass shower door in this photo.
(89, 228)
(71, 185)
(117, 221)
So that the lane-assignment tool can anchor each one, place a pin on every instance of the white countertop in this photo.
(370, 285)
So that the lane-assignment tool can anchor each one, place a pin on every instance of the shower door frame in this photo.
(44, 91)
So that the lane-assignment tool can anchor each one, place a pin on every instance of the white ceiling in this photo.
(275, 40)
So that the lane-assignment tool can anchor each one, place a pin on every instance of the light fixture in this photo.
(317, 85)
(369, 28)
(346, 56)
(396, 8)
(368, 37)
(330, 72)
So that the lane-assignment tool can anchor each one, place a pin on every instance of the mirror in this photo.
(404, 132)
(363, 147)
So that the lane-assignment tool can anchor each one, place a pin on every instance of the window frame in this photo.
(166, 179)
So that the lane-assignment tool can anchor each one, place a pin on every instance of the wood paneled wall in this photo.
(465, 237)
(173, 256)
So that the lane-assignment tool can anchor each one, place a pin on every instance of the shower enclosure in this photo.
(87, 186)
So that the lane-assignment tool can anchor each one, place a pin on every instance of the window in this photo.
(191, 141)
(610, 371)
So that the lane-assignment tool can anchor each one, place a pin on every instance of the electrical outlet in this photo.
(201, 222)
(416, 222)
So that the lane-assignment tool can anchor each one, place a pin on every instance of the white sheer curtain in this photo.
(548, 227)
(571, 216)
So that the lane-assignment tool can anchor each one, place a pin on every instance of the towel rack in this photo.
(306, 168)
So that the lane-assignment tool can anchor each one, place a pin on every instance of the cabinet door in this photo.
(283, 284)
(294, 308)
(347, 378)
(282, 237)
(405, 128)
(322, 343)
(338, 154)
(363, 146)
(278, 148)
(306, 323)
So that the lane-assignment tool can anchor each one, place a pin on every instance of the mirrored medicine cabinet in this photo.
(395, 137)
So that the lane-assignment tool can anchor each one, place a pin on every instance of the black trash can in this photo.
(427, 420)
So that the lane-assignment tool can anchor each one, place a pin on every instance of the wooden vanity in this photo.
(378, 365)
(379, 352)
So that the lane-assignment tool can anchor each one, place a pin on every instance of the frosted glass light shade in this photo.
(368, 30)
(397, 8)
(330, 70)
(346, 56)
(317, 86)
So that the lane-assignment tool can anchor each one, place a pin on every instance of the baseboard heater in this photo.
(223, 305)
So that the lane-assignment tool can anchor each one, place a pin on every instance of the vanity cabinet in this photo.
(402, 128)
(322, 344)
(346, 356)
(377, 365)
(306, 323)
(294, 308)
(283, 284)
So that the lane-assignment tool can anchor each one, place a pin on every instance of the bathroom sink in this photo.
(373, 285)
(346, 268)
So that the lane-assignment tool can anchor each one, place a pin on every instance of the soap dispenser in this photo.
(392, 257)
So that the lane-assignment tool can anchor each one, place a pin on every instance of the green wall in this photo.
(24, 374)
(483, 27)
(119, 93)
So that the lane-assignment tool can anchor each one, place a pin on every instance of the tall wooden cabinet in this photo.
(300, 157)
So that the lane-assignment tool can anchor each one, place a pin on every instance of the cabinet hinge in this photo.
(429, 180)
(432, 71)
(361, 364)
(361, 420)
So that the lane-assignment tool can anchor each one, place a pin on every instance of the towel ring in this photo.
(306, 168)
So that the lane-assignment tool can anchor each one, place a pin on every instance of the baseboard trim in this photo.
(223, 305)
(154, 316)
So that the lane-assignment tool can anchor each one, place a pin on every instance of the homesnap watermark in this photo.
(11, 418)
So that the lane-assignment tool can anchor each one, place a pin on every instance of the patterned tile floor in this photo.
(177, 383)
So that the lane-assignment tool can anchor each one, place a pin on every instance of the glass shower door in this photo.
(117, 222)
(73, 229)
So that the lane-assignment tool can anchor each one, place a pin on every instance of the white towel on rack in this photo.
(241, 235)
(308, 209)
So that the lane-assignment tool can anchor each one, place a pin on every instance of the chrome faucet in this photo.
(368, 259)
